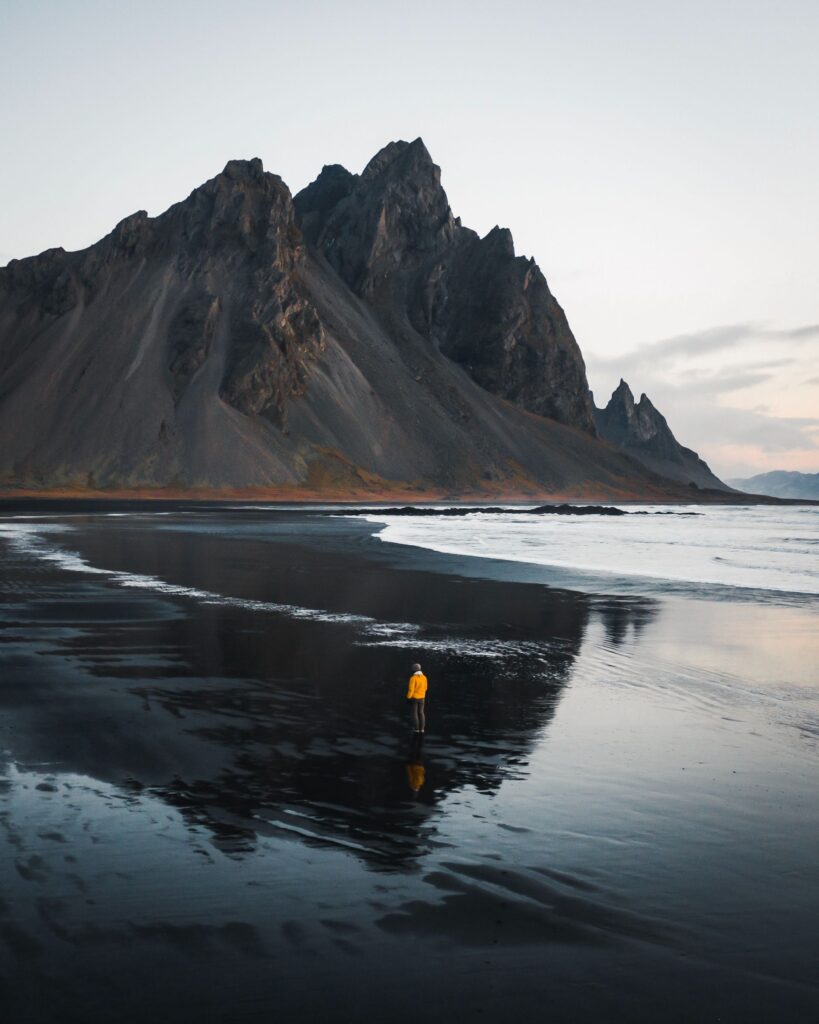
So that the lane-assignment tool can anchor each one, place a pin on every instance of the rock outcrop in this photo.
(390, 235)
(355, 339)
(641, 431)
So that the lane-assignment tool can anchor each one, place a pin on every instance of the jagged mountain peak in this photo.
(391, 236)
(372, 225)
(314, 202)
(244, 170)
(247, 337)
(642, 417)
(641, 430)
(401, 160)
(622, 395)
(394, 161)
(232, 191)
(500, 239)
(243, 205)
(241, 178)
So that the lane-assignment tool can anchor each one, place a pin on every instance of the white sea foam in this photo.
(759, 547)
(40, 542)
(496, 648)
(32, 540)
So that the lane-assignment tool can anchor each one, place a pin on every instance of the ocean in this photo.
(719, 551)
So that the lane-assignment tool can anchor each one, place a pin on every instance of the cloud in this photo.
(723, 381)
(798, 333)
(712, 339)
(708, 341)
(696, 380)
(714, 423)
(736, 441)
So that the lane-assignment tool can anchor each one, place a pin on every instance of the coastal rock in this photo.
(640, 430)
(427, 511)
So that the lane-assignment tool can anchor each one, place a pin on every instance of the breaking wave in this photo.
(770, 550)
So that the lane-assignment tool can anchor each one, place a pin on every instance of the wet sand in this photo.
(212, 806)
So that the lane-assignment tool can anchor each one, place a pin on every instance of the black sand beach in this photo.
(213, 808)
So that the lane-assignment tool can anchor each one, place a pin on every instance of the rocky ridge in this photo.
(639, 430)
(390, 235)
(355, 339)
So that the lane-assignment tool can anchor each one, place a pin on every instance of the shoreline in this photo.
(307, 498)
(204, 781)
(581, 577)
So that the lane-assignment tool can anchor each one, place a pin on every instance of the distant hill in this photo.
(640, 430)
(781, 483)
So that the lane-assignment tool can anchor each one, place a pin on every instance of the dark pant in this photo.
(418, 719)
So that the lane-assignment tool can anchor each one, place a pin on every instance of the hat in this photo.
(416, 667)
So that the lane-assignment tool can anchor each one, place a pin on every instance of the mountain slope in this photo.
(390, 235)
(641, 431)
(781, 483)
(356, 340)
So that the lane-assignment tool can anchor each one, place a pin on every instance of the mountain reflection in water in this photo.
(249, 721)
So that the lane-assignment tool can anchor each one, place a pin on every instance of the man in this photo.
(416, 695)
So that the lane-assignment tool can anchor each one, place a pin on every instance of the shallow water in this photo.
(769, 550)
(212, 805)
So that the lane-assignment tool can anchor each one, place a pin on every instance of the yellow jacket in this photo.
(417, 686)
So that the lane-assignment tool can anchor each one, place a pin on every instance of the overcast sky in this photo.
(659, 160)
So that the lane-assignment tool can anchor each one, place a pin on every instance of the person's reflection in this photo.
(416, 772)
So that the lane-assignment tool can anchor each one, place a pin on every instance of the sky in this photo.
(660, 160)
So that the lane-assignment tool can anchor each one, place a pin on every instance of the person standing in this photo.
(417, 696)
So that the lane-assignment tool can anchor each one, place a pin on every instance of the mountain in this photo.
(355, 339)
(781, 483)
(641, 431)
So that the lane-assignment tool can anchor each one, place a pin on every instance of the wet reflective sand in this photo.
(213, 807)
